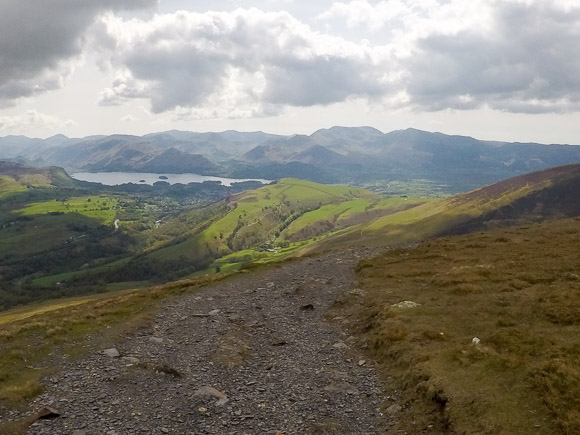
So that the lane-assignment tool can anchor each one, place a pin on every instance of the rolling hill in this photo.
(294, 217)
(21, 177)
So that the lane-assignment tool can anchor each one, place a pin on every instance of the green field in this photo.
(9, 186)
(98, 207)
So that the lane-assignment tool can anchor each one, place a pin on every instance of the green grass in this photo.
(330, 212)
(45, 231)
(255, 217)
(9, 186)
(97, 207)
(434, 217)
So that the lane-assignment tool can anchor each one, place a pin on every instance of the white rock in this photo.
(112, 352)
(475, 341)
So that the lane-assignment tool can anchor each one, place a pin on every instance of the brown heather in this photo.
(517, 290)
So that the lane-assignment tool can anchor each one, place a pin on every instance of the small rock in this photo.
(278, 342)
(307, 307)
(394, 409)
(362, 362)
(475, 341)
(47, 413)
(164, 429)
(112, 353)
(156, 340)
(212, 392)
(340, 345)
(213, 313)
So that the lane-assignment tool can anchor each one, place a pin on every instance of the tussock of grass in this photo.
(518, 291)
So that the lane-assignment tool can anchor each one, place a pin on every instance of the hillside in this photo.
(262, 225)
(469, 334)
(278, 219)
(21, 177)
(550, 193)
(480, 332)
(129, 153)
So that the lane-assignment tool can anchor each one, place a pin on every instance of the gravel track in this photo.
(251, 354)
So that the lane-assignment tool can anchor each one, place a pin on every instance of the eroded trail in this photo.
(249, 355)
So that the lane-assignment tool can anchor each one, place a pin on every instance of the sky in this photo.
(491, 69)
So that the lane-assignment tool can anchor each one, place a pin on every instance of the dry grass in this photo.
(518, 291)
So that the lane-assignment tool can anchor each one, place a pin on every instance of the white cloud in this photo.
(32, 119)
(525, 62)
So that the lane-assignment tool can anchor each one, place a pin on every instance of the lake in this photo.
(116, 178)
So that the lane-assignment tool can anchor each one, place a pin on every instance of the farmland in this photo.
(101, 208)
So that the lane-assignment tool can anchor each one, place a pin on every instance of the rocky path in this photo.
(249, 355)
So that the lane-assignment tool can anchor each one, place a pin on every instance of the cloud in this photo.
(526, 62)
(41, 37)
(248, 62)
(32, 119)
(509, 55)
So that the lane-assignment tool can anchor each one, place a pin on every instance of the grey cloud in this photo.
(39, 36)
(181, 76)
(528, 63)
(187, 60)
(321, 80)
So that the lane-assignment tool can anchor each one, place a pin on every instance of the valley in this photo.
(410, 290)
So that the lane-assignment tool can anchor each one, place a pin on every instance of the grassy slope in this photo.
(255, 217)
(437, 217)
(9, 185)
(517, 290)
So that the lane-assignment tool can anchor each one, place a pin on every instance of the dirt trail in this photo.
(249, 355)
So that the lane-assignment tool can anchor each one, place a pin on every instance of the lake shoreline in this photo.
(149, 178)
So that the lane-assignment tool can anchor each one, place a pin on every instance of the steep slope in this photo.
(531, 197)
(479, 333)
(175, 161)
(23, 176)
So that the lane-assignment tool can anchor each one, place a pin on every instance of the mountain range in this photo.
(335, 155)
